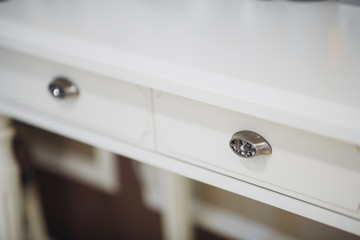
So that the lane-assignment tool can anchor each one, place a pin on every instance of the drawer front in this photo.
(306, 166)
(104, 105)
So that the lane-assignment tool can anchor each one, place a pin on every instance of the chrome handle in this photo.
(62, 87)
(249, 144)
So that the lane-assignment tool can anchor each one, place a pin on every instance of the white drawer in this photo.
(318, 170)
(107, 106)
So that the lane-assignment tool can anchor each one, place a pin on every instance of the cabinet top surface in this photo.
(299, 58)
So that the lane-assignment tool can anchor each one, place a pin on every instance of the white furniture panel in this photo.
(112, 107)
(287, 70)
(309, 167)
(293, 58)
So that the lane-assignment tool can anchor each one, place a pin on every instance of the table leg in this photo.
(176, 212)
(10, 210)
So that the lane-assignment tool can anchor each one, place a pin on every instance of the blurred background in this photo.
(85, 193)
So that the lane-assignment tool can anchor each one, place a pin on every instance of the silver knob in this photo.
(62, 87)
(248, 144)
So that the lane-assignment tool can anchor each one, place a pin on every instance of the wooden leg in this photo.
(176, 212)
(10, 210)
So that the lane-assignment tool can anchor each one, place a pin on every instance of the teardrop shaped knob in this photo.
(62, 87)
(249, 144)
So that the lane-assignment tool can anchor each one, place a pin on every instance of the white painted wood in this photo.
(176, 208)
(319, 170)
(211, 217)
(10, 200)
(75, 160)
(234, 226)
(227, 183)
(36, 227)
(116, 108)
(284, 61)
(291, 63)
(151, 180)
(171, 195)
(93, 166)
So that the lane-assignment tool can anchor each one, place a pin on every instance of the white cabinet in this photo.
(105, 105)
(306, 166)
(169, 84)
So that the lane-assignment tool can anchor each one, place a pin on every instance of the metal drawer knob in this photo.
(62, 87)
(248, 144)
